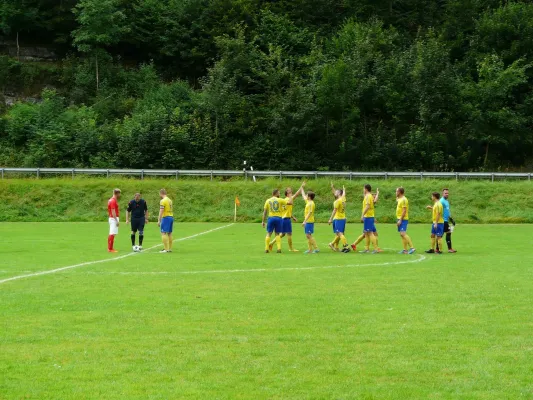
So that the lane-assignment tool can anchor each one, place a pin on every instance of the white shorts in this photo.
(113, 228)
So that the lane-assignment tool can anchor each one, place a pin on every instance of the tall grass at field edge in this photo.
(82, 200)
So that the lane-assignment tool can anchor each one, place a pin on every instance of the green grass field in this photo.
(219, 319)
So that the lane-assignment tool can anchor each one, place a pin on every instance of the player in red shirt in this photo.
(113, 212)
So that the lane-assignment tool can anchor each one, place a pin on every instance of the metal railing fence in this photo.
(142, 173)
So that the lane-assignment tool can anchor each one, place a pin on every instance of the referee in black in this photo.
(138, 214)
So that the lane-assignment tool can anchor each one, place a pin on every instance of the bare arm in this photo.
(161, 210)
(332, 215)
(306, 218)
(303, 194)
(332, 189)
(114, 216)
(376, 197)
(264, 217)
(128, 216)
(403, 216)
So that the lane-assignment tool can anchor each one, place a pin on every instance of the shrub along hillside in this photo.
(206, 201)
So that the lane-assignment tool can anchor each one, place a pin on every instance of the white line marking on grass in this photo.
(233, 271)
(53, 271)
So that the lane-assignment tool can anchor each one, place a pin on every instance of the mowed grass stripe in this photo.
(56, 250)
(451, 327)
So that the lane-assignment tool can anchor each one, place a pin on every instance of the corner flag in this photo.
(237, 203)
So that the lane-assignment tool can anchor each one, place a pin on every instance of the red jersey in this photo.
(112, 205)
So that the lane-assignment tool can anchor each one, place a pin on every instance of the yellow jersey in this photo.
(310, 209)
(402, 203)
(287, 208)
(340, 206)
(166, 206)
(438, 209)
(275, 205)
(369, 201)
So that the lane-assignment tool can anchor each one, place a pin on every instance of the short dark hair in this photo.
(368, 187)
(116, 191)
(436, 195)
(275, 191)
(401, 190)
(287, 192)
(445, 189)
(341, 191)
(311, 195)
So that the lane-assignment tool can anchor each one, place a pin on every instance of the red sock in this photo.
(110, 242)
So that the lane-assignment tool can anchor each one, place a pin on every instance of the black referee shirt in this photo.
(137, 209)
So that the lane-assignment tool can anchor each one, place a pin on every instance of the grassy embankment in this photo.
(206, 201)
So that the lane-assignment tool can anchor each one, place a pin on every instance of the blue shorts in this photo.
(287, 226)
(403, 226)
(439, 231)
(368, 225)
(275, 224)
(309, 228)
(339, 225)
(167, 223)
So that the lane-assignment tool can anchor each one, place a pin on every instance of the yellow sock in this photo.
(336, 241)
(409, 241)
(310, 244)
(165, 241)
(289, 239)
(273, 241)
(170, 241)
(367, 242)
(278, 242)
(440, 244)
(359, 239)
(374, 241)
(377, 244)
(404, 241)
(267, 242)
(433, 241)
(343, 240)
(313, 241)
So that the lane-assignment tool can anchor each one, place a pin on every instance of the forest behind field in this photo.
(441, 85)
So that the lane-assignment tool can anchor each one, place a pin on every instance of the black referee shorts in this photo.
(446, 227)
(137, 224)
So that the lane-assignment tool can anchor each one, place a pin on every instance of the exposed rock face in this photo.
(27, 53)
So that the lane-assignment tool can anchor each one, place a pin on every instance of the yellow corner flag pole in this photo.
(237, 203)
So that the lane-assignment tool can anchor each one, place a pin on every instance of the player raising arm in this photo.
(309, 222)
(338, 218)
(287, 218)
(273, 209)
(367, 217)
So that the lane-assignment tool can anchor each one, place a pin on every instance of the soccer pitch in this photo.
(219, 319)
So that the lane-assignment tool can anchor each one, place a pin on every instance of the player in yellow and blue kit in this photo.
(437, 226)
(309, 222)
(287, 218)
(338, 219)
(402, 218)
(362, 237)
(166, 221)
(273, 208)
(367, 217)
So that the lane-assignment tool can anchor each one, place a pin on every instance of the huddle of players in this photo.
(137, 212)
(280, 218)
